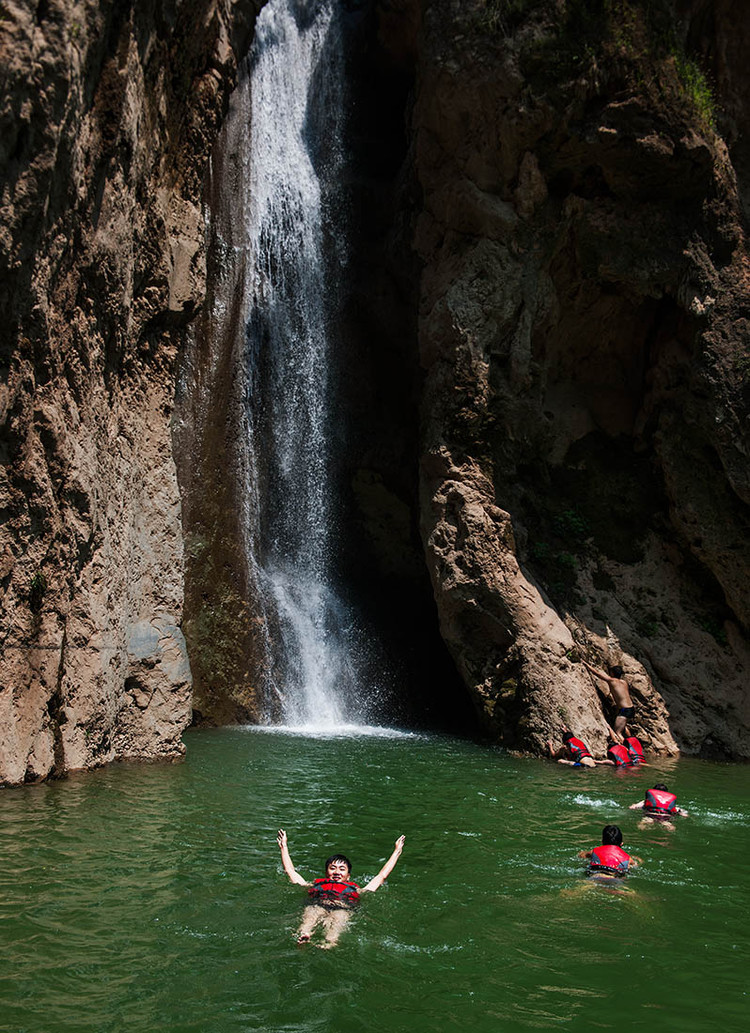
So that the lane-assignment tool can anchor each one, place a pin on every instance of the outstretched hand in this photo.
(400, 843)
(281, 839)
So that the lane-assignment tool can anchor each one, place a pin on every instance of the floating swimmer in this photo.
(658, 805)
(335, 895)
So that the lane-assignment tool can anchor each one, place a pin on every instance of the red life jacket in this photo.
(577, 748)
(635, 749)
(610, 859)
(659, 803)
(343, 894)
(619, 755)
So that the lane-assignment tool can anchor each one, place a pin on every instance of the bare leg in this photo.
(334, 923)
(620, 723)
(311, 917)
(613, 733)
(648, 823)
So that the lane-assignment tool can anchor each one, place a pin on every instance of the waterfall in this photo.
(287, 230)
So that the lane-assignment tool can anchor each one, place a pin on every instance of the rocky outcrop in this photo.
(108, 114)
(583, 328)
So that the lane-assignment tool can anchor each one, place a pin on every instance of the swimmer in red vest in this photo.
(609, 861)
(658, 805)
(334, 896)
(627, 755)
(618, 756)
(634, 747)
(577, 753)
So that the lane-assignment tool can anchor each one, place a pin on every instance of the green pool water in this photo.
(144, 898)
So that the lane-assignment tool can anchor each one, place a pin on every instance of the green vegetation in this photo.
(556, 556)
(647, 625)
(714, 627)
(618, 41)
(571, 526)
(697, 88)
(501, 17)
(37, 590)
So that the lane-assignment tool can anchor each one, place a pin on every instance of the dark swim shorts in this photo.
(626, 712)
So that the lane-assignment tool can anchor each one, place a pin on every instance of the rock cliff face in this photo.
(556, 282)
(107, 116)
(583, 327)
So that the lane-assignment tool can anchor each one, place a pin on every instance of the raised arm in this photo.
(291, 871)
(597, 672)
(385, 871)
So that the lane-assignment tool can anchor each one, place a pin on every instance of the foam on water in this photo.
(587, 801)
(342, 731)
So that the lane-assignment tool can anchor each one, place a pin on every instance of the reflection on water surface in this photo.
(152, 897)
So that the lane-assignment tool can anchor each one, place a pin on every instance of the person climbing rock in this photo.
(609, 861)
(658, 805)
(619, 691)
(334, 896)
(577, 753)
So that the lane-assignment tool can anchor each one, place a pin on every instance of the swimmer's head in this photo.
(616, 671)
(662, 787)
(338, 867)
(611, 835)
(567, 735)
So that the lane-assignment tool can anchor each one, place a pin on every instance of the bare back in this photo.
(620, 691)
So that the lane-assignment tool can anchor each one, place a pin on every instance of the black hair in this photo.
(661, 786)
(567, 735)
(611, 835)
(339, 857)
(616, 671)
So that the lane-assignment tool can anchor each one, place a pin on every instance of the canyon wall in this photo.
(584, 335)
(108, 114)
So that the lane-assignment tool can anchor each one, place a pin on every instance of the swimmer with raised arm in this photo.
(334, 896)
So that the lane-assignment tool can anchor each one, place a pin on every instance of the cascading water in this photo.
(288, 111)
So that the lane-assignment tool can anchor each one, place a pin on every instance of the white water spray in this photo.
(289, 110)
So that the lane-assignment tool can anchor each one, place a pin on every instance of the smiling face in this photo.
(338, 871)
